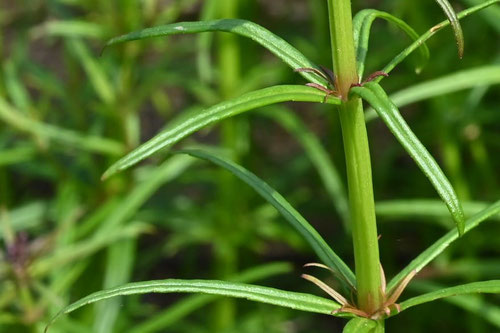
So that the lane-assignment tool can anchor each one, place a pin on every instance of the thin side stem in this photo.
(357, 153)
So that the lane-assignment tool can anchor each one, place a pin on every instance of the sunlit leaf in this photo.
(287, 299)
(278, 46)
(177, 311)
(186, 124)
(389, 113)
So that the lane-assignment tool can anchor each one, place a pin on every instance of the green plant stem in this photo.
(357, 153)
(226, 255)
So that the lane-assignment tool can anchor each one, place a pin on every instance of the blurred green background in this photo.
(67, 113)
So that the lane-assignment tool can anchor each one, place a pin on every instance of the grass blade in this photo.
(455, 24)
(485, 287)
(441, 244)
(276, 45)
(362, 23)
(287, 299)
(406, 52)
(320, 247)
(376, 96)
(189, 123)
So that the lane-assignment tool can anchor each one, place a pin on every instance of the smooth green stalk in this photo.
(229, 76)
(357, 153)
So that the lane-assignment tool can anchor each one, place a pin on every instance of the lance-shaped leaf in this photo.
(276, 45)
(320, 247)
(485, 287)
(186, 124)
(455, 24)
(362, 23)
(287, 299)
(416, 44)
(389, 113)
(441, 244)
(474, 304)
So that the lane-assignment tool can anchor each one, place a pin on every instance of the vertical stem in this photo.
(357, 153)
(226, 255)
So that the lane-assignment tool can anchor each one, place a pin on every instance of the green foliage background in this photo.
(66, 114)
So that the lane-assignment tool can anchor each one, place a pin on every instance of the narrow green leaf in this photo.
(474, 77)
(389, 113)
(186, 124)
(287, 299)
(441, 244)
(262, 36)
(320, 247)
(426, 209)
(406, 52)
(455, 24)
(475, 304)
(361, 325)
(158, 322)
(362, 23)
(318, 156)
(20, 121)
(485, 287)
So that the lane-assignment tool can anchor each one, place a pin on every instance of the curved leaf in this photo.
(276, 45)
(416, 44)
(158, 321)
(474, 77)
(318, 156)
(472, 303)
(288, 299)
(490, 287)
(362, 23)
(361, 325)
(455, 24)
(376, 96)
(441, 244)
(189, 123)
(320, 247)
